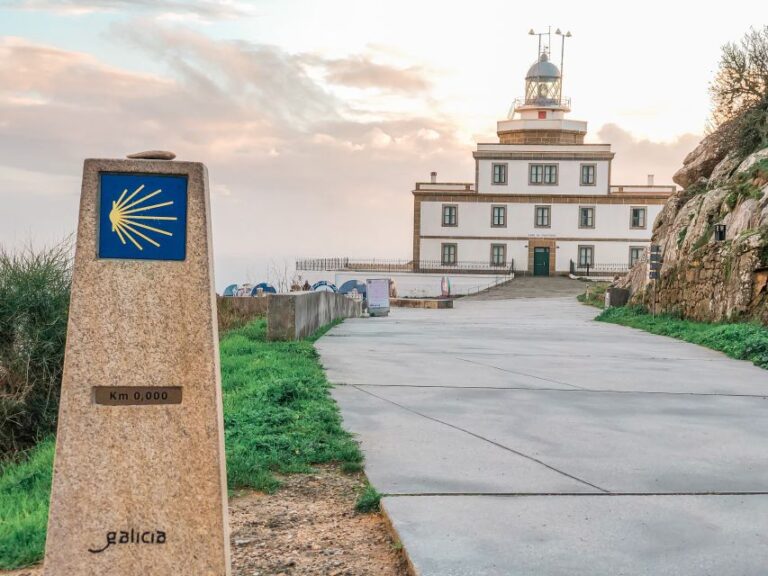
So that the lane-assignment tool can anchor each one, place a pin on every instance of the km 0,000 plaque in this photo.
(136, 395)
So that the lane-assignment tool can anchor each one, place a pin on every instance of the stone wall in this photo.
(299, 314)
(234, 312)
(541, 137)
(701, 278)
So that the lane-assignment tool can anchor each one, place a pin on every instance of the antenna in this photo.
(562, 50)
(548, 34)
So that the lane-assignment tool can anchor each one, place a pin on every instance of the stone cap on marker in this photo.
(152, 155)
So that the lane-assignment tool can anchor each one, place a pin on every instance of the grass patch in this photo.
(738, 340)
(278, 413)
(594, 295)
(279, 418)
(369, 500)
(25, 487)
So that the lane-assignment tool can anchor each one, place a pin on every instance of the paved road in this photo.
(520, 437)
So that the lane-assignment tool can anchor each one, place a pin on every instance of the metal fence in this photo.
(384, 265)
(599, 269)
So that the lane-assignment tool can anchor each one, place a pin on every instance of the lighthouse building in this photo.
(542, 201)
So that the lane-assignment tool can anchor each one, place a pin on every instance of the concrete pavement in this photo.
(518, 436)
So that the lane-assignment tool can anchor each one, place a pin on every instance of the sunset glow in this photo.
(316, 118)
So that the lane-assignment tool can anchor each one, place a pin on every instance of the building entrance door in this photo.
(541, 261)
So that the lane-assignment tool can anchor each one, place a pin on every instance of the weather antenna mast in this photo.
(547, 47)
(563, 36)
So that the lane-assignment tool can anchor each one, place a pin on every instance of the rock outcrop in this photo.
(702, 278)
(701, 162)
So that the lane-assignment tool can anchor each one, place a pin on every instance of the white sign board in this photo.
(378, 296)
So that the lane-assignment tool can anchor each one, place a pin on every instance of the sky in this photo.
(316, 118)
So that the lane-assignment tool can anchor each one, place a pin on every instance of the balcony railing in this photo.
(384, 265)
(601, 268)
(523, 103)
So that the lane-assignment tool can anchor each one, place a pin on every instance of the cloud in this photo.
(362, 72)
(204, 9)
(636, 158)
(295, 168)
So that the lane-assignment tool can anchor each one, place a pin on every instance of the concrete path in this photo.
(520, 437)
(533, 287)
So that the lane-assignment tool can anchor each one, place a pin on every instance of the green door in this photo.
(541, 261)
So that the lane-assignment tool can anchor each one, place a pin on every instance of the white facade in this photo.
(568, 171)
(542, 201)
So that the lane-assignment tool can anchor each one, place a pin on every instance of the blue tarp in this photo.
(268, 289)
(350, 285)
(324, 286)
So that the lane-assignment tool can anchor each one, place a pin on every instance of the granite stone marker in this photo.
(139, 484)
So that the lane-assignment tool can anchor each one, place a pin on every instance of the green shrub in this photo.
(740, 94)
(752, 129)
(34, 300)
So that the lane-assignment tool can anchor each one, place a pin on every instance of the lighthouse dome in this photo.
(543, 69)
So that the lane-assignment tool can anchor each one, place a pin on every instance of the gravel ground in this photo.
(308, 527)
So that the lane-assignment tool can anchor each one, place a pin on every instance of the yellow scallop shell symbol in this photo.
(127, 217)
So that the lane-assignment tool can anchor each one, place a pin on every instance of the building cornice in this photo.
(543, 155)
(529, 238)
(431, 196)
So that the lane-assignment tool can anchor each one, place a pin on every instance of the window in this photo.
(498, 254)
(536, 174)
(448, 254)
(550, 173)
(542, 174)
(587, 174)
(586, 216)
(499, 173)
(636, 254)
(450, 215)
(498, 216)
(637, 217)
(542, 217)
(586, 256)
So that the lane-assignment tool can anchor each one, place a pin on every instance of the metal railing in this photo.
(337, 264)
(385, 265)
(539, 101)
(466, 267)
(600, 269)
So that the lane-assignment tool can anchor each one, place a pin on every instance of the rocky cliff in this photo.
(702, 278)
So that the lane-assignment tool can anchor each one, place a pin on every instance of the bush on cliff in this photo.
(740, 94)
